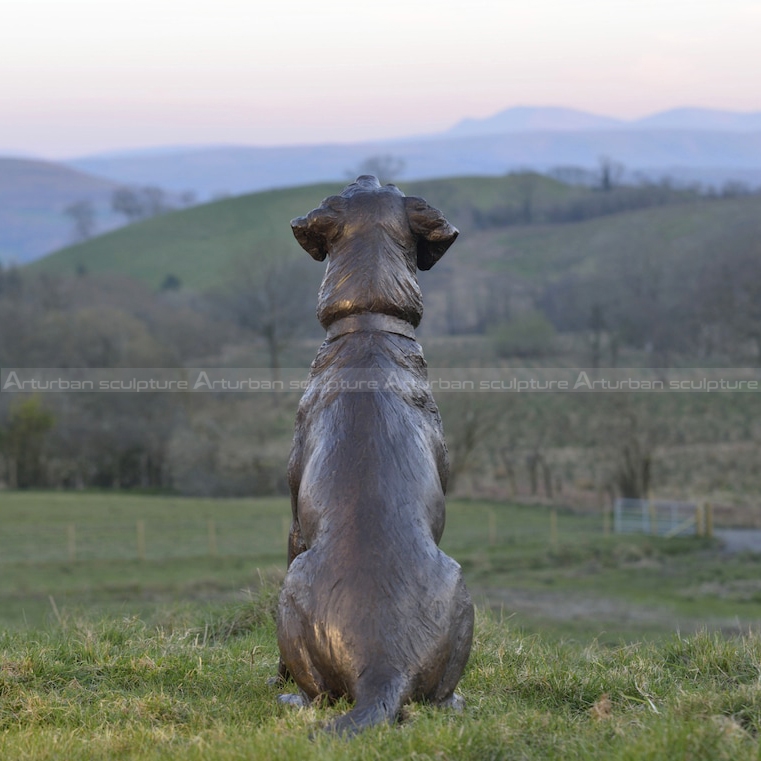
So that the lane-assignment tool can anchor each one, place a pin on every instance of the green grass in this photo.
(202, 246)
(205, 246)
(590, 247)
(586, 585)
(119, 689)
(596, 647)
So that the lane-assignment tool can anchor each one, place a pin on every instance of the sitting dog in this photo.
(371, 609)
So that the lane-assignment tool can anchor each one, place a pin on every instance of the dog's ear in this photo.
(434, 234)
(315, 229)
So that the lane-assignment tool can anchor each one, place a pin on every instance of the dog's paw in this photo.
(454, 702)
(293, 699)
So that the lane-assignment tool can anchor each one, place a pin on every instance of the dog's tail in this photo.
(380, 707)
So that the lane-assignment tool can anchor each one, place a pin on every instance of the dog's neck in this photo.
(365, 322)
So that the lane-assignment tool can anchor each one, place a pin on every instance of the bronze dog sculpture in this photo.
(371, 609)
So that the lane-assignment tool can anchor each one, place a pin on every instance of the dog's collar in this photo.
(370, 321)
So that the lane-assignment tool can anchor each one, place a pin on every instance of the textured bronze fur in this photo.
(371, 608)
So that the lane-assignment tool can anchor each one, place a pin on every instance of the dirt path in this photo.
(740, 539)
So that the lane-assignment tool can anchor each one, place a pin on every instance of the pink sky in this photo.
(84, 76)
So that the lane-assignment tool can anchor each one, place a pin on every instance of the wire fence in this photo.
(143, 540)
(662, 517)
(265, 535)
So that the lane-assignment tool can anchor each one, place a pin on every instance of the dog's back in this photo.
(371, 609)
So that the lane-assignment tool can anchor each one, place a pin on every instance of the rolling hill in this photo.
(690, 145)
(203, 245)
(506, 267)
(33, 196)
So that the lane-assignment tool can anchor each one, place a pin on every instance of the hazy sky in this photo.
(80, 76)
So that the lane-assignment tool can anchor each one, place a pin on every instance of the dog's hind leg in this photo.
(296, 545)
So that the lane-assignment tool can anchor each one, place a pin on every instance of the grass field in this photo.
(152, 556)
(197, 688)
(590, 646)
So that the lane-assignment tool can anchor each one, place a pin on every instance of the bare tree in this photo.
(82, 213)
(155, 201)
(596, 325)
(277, 302)
(610, 173)
(188, 198)
(468, 423)
(127, 201)
(629, 430)
(139, 203)
(386, 167)
(527, 184)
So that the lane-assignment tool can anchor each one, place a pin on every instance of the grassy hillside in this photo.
(203, 245)
(552, 251)
(33, 195)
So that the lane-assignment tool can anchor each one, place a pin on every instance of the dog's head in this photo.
(316, 231)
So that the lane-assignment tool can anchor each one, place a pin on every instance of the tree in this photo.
(276, 302)
(529, 334)
(126, 201)
(11, 284)
(188, 198)
(22, 442)
(526, 184)
(469, 421)
(154, 201)
(596, 327)
(386, 167)
(139, 203)
(729, 292)
(610, 173)
(82, 213)
(629, 430)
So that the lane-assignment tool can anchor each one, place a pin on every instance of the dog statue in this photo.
(371, 609)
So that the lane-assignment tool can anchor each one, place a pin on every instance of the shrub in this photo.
(529, 334)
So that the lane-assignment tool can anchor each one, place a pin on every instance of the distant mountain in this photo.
(235, 170)
(33, 196)
(230, 170)
(552, 119)
(701, 119)
(687, 144)
(532, 119)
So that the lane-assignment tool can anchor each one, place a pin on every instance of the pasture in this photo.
(587, 646)
(65, 553)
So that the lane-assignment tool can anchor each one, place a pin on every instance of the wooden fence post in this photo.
(653, 517)
(709, 520)
(554, 527)
(141, 540)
